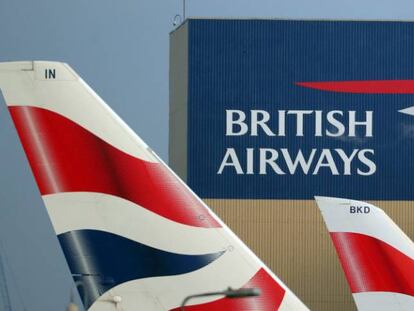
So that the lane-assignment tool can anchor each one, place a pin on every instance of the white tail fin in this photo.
(376, 256)
(133, 234)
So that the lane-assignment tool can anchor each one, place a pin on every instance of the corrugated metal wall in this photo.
(291, 238)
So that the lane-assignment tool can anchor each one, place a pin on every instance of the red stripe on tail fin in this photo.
(270, 299)
(371, 265)
(65, 157)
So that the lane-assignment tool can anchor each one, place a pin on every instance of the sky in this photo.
(120, 48)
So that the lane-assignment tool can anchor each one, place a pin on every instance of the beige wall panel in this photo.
(291, 238)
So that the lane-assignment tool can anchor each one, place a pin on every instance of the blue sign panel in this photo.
(293, 109)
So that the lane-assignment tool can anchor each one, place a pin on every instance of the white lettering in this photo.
(369, 163)
(347, 160)
(260, 122)
(299, 119)
(231, 159)
(367, 123)
(265, 161)
(340, 128)
(300, 159)
(231, 122)
(326, 155)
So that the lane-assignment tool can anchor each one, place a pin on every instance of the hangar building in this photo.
(266, 114)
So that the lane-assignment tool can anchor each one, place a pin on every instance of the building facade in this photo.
(267, 114)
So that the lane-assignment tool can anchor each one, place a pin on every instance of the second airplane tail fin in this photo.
(376, 255)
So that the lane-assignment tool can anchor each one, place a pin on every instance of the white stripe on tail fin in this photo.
(132, 232)
(376, 256)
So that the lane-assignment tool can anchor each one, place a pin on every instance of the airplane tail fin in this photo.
(376, 255)
(133, 233)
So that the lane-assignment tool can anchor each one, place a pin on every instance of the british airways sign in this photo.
(323, 123)
(292, 109)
